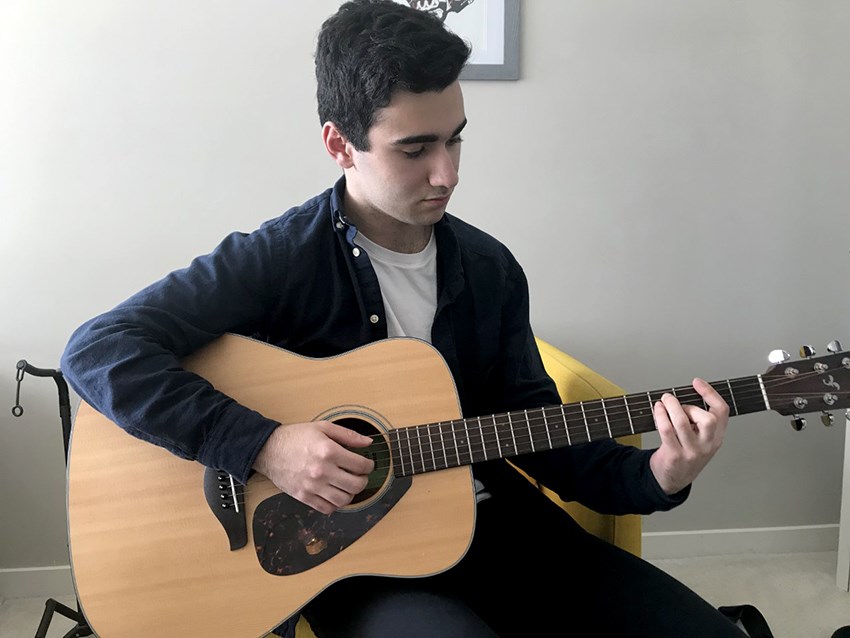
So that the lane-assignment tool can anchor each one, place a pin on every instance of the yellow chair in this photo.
(575, 382)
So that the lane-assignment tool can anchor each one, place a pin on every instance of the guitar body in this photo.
(150, 558)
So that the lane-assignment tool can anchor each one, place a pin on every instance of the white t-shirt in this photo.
(408, 286)
(409, 289)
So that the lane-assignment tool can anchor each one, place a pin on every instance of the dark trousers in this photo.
(530, 571)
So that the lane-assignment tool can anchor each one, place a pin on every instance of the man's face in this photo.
(411, 168)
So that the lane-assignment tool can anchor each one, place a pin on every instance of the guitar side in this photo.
(150, 559)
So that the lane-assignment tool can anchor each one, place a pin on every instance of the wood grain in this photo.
(150, 559)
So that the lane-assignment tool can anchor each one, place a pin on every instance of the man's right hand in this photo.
(308, 462)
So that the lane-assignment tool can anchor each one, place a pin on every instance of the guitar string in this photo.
(424, 460)
(419, 458)
(591, 417)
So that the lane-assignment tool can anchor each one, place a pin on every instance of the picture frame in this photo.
(491, 27)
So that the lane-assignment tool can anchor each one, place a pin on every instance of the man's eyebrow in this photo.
(430, 137)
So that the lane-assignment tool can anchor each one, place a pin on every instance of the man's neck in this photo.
(386, 231)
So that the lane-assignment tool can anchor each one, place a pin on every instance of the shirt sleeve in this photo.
(126, 362)
(606, 476)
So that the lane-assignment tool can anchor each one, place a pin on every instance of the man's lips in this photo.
(440, 199)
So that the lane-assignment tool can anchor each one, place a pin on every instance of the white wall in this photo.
(673, 176)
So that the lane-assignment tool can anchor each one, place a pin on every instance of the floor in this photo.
(796, 593)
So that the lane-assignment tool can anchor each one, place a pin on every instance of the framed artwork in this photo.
(491, 27)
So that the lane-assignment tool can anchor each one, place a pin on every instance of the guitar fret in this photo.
(490, 436)
(421, 451)
(584, 416)
(618, 421)
(411, 433)
(409, 448)
(607, 420)
(546, 425)
(732, 396)
(483, 442)
(566, 426)
(554, 427)
(530, 433)
(443, 445)
(454, 437)
(629, 415)
(431, 445)
(443, 439)
(763, 392)
(513, 435)
(496, 430)
(395, 453)
(643, 412)
(506, 445)
(468, 441)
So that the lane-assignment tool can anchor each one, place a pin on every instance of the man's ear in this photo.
(337, 145)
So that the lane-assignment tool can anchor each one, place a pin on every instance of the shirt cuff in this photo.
(236, 440)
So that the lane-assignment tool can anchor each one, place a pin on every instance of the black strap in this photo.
(751, 619)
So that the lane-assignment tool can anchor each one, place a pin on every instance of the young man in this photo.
(378, 256)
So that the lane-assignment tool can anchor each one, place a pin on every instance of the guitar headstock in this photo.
(810, 384)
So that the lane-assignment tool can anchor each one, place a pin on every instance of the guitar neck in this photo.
(436, 446)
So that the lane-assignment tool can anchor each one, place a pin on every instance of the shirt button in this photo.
(340, 225)
(356, 253)
(374, 319)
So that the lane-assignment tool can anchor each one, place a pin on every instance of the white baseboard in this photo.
(29, 582)
(753, 540)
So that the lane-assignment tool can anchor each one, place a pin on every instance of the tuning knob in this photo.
(834, 347)
(827, 419)
(778, 356)
(798, 423)
(807, 351)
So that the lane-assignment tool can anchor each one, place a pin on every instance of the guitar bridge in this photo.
(226, 499)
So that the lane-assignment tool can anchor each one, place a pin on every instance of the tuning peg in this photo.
(834, 347)
(798, 423)
(827, 419)
(807, 351)
(778, 356)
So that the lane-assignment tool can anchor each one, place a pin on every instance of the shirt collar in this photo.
(338, 218)
(450, 277)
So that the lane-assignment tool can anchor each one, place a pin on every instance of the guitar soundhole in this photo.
(378, 451)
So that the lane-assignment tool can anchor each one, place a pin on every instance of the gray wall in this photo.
(673, 176)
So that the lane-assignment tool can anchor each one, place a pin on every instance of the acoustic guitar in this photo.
(162, 546)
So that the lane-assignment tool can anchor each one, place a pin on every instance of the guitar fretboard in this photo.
(436, 446)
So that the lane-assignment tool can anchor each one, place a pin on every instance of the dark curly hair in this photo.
(371, 48)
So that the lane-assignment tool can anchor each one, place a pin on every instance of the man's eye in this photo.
(414, 154)
(455, 140)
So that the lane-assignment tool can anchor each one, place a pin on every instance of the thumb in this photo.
(346, 436)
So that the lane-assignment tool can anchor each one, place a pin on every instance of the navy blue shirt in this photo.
(300, 283)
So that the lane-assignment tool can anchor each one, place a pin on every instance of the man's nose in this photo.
(444, 169)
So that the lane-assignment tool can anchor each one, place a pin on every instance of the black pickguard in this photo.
(291, 537)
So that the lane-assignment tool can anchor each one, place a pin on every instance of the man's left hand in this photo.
(690, 436)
